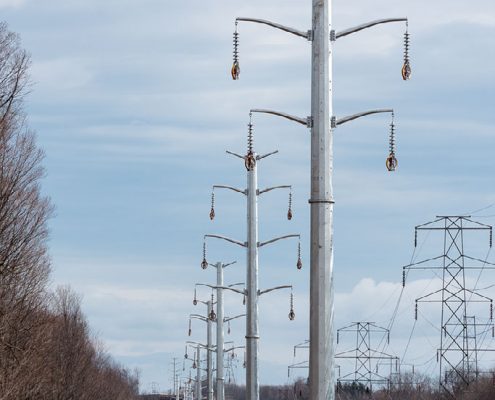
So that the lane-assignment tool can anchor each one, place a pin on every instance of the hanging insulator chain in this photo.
(491, 237)
(195, 300)
(228, 328)
(289, 212)
(491, 310)
(249, 160)
(292, 314)
(406, 67)
(236, 70)
(185, 354)
(204, 263)
(416, 311)
(403, 277)
(212, 211)
(415, 237)
(299, 262)
(391, 162)
(190, 329)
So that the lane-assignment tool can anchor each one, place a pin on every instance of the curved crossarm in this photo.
(242, 244)
(243, 292)
(303, 121)
(260, 292)
(230, 188)
(306, 35)
(273, 188)
(234, 154)
(236, 284)
(261, 244)
(266, 155)
(344, 120)
(197, 316)
(197, 344)
(358, 28)
(226, 319)
(233, 348)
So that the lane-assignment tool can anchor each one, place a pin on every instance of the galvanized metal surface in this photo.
(220, 335)
(252, 326)
(321, 354)
(209, 358)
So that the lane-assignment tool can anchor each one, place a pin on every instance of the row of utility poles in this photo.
(322, 123)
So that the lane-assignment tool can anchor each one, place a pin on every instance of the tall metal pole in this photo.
(220, 335)
(209, 350)
(198, 373)
(252, 332)
(321, 356)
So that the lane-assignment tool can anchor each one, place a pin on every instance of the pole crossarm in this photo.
(308, 121)
(243, 292)
(306, 35)
(367, 25)
(233, 348)
(226, 319)
(196, 344)
(200, 317)
(273, 188)
(266, 155)
(234, 154)
(261, 244)
(336, 122)
(230, 188)
(242, 244)
(260, 292)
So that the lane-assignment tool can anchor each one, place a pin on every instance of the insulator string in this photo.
(249, 159)
(236, 70)
(204, 263)
(289, 212)
(391, 161)
(292, 314)
(299, 261)
(406, 67)
(212, 211)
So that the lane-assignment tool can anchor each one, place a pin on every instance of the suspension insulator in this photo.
(491, 310)
(416, 312)
(212, 211)
(406, 67)
(292, 315)
(289, 212)
(299, 264)
(204, 263)
(403, 277)
(415, 238)
(236, 69)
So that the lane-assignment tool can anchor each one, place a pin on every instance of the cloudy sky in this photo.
(134, 107)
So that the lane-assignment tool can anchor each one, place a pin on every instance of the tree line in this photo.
(46, 348)
(406, 387)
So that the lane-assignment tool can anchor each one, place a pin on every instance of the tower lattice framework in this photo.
(458, 352)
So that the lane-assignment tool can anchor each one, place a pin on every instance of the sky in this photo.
(134, 107)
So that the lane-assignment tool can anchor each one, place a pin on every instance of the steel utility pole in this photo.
(322, 122)
(252, 292)
(197, 365)
(210, 317)
(220, 320)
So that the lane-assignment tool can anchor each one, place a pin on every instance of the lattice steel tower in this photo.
(365, 356)
(457, 355)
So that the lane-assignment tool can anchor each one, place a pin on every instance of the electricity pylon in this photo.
(322, 123)
(455, 355)
(252, 245)
(366, 358)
